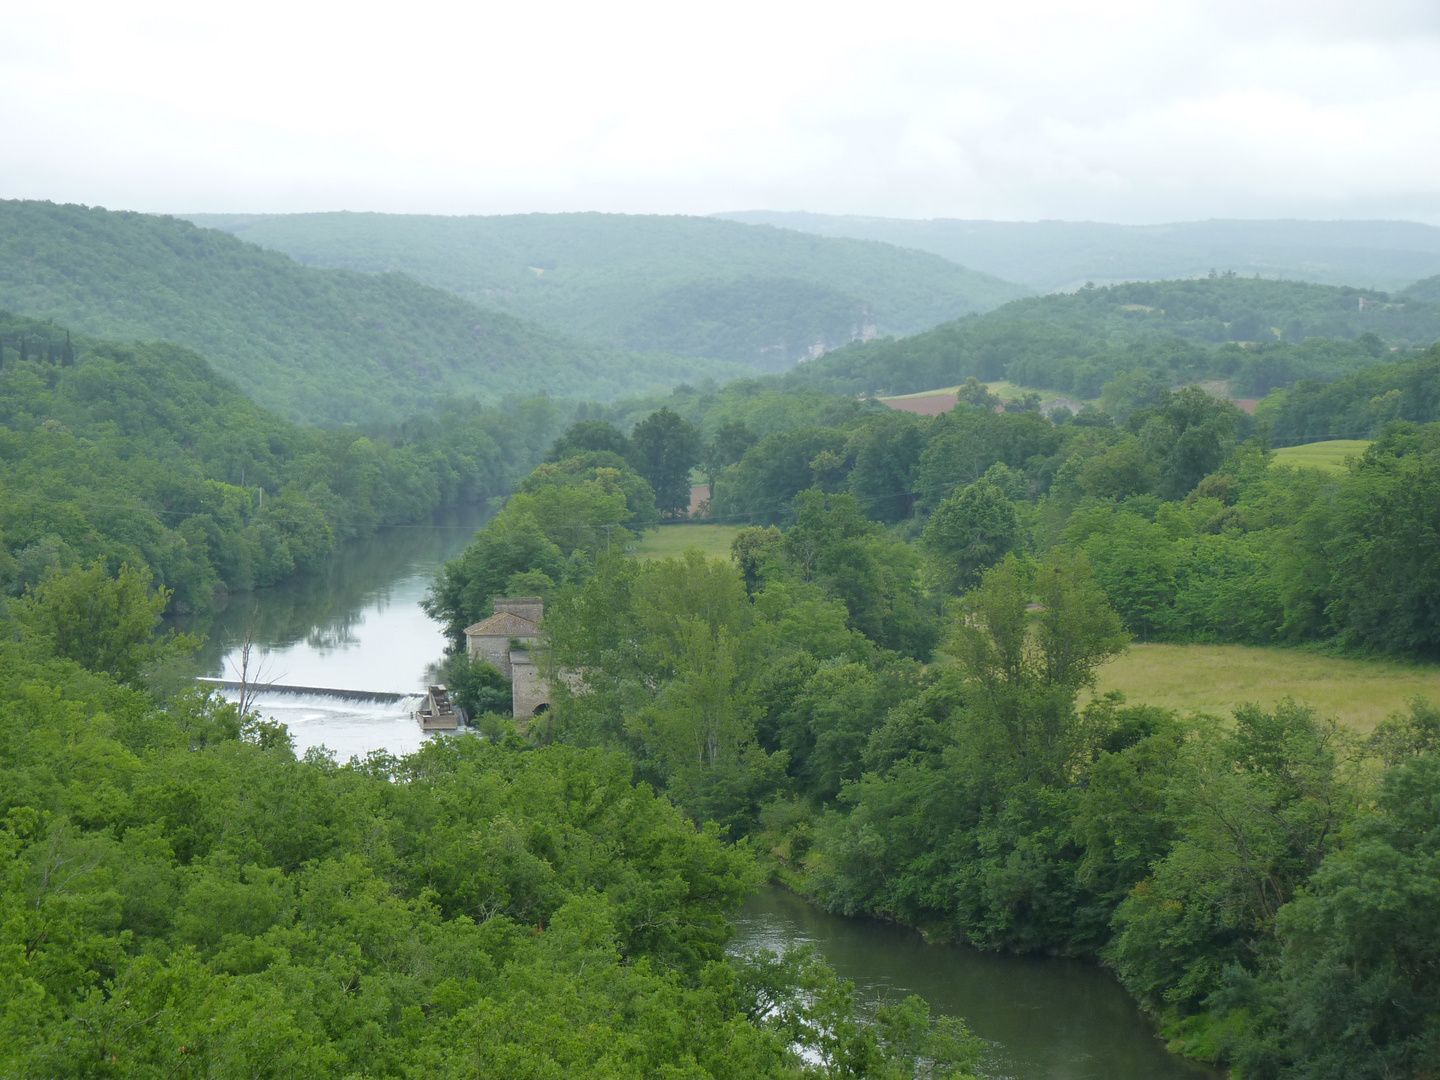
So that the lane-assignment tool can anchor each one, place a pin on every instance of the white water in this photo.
(359, 627)
(345, 726)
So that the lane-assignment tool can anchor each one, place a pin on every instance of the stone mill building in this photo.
(506, 639)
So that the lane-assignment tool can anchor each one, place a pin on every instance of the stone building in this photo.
(505, 640)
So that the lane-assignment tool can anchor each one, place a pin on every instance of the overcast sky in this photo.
(1116, 110)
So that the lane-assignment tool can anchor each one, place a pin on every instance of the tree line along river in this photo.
(359, 626)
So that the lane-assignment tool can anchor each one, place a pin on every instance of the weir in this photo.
(385, 696)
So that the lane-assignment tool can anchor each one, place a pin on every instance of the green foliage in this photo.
(690, 286)
(1139, 338)
(179, 895)
(876, 576)
(968, 533)
(762, 486)
(102, 623)
(1255, 813)
(1359, 405)
(141, 454)
(1355, 993)
(664, 448)
(1188, 434)
(1024, 668)
(311, 344)
(586, 436)
(477, 686)
(510, 544)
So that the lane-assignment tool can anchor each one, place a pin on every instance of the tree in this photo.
(1189, 433)
(1359, 979)
(728, 447)
(511, 544)
(1026, 666)
(969, 532)
(588, 435)
(886, 453)
(664, 448)
(477, 686)
(102, 623)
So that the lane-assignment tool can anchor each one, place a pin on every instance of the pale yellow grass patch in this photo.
(1006, 391)
(1327, 456)
(1216, 678)
(670, 541)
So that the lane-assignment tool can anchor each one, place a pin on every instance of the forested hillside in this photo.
(313, 345)
(685, 285)
(1358, 406)
(1258, 334)
(1427, 291)
(1051, 255)
(140, 454)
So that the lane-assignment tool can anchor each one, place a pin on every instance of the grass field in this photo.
(1216, 678)
(668, 541)
(1004, 390)
(1327, 456)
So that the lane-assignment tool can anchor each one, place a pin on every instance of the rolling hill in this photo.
(689, 286)
(1427, 291)
(312, 344)
(1052, 255)
(1254, 334)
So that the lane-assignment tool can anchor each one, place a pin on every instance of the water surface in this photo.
(1044, 1018)
(357, 626)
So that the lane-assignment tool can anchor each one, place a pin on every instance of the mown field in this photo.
(1001, 389)
(1328, 456)
(669, 541)
(1216, 678)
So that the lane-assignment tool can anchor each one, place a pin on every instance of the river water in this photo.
(359, 627)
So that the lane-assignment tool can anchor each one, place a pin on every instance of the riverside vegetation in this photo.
(881, 694)
(876, 698)
(141, 454)
(181, 896)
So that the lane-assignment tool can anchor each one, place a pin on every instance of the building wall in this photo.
(528, 690)
(494, 649)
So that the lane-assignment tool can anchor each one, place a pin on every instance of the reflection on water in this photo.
(357, 626)
(1045, 1018)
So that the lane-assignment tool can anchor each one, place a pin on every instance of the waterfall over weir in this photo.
(351, 724)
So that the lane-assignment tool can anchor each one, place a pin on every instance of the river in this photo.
(359, 626)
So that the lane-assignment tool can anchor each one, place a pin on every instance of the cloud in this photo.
(1126, 110)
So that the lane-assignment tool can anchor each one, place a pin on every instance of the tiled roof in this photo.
(503, 624)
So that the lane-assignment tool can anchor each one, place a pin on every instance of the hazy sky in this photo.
(1120, 110)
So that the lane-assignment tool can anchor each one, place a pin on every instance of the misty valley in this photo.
(876, 648)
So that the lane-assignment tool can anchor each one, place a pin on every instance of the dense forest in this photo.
(1055, 255)
(319, 346)
(141, 454)
(689, 286)
(180, 896)
(886, 692)
(1255, 334)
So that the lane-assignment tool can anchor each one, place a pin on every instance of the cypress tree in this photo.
(67, 355)
(24, 352)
